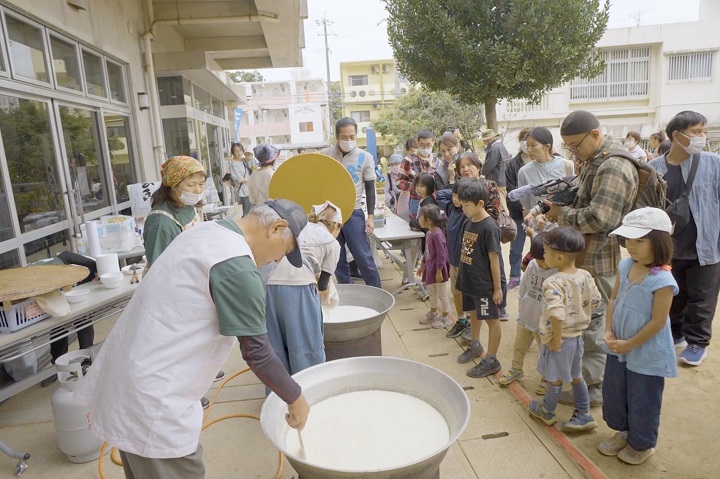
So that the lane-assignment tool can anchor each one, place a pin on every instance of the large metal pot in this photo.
(359, 295)
(372, 373)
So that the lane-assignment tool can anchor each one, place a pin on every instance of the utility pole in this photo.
(325, 22)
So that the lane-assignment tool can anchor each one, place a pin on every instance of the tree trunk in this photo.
(490, 115)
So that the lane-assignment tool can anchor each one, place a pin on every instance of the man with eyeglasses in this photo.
(607, 189)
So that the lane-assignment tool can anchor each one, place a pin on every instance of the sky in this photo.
(360, 32)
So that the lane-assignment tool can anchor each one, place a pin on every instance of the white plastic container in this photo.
(71, 424)
(76, 295)
(112, 280)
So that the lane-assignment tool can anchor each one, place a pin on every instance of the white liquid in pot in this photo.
(345, 314)
(370, 430)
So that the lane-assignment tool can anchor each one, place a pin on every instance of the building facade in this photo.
(286, 114)
(652, 73)
(95, 95)
(366, 88)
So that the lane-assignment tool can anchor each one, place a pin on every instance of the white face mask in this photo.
(523, 146)
(424, 151)
(697, 143)
(347, 145)
(630, 144)
(395, 169)
(190, 199)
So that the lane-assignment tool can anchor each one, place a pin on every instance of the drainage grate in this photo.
(495, 435)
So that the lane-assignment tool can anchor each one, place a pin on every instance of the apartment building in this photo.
(287, 114)
(367, 87)
(652, 73)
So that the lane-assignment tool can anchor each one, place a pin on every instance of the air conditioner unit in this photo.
(385, 69)
(376, 105)
(374, 69)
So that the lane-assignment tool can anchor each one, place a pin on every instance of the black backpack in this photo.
(652, 187)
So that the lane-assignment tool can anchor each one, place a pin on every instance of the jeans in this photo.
(631, 402)
(353, 234)
(295, 325)
(516, 250)
(693, 308)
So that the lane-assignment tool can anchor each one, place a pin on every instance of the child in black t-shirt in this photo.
(481, 277)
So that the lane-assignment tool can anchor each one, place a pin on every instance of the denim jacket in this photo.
(704, 203)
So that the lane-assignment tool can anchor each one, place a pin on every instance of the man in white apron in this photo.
(143, 391)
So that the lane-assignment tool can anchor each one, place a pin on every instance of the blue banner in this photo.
(238, 119)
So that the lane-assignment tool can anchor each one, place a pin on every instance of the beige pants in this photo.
(188, 467)
(523, 339)
(438, 294)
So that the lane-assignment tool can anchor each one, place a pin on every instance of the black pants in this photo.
(693, 308)
(86, 336)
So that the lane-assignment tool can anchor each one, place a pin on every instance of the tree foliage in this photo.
(246, 76)
(336, 101)
(485, 51)
(422, 109)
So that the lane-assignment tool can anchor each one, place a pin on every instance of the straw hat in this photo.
(489, 135)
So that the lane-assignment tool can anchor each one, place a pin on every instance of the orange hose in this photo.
(115, 454)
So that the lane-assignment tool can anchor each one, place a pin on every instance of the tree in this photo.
(422, 109)
(496, 49)
(244, 76)
(336, 102)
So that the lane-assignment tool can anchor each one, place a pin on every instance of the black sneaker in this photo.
(219, 376)
(504, 316)
(456, 330)
(484, 369)
(205, 402)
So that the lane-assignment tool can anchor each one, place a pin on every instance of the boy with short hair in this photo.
(481, 277)
(569, 296)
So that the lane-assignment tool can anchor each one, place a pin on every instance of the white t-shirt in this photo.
(320, 252)
(530, 296)
(260, 186)
(361, 166)
(638, 153)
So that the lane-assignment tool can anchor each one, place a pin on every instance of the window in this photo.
(94, 74)
(65, 64)
(34, 175)
(359, 116)
(27, 50)
(122, 155)
(202, 100)
(171, 91)
(626, 75)
(177, 139)
(306, 127)
(690, 66)
(358, 80)
(116, 78)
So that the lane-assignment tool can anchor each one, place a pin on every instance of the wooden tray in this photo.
(21, 283)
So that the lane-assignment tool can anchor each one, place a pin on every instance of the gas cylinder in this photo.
(71, 423)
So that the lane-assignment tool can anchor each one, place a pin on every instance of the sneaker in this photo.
(680, 343)
(631, 456)
(467, 333)
(542, 388)
(594, 391)
(579, 422)
(457, 330)
(613, 445)
(219, 376)
(442, 322)
(205, 402)
(504, 316)
(510, 376)
(693, 355)
(513, 283)
(537, 409)
(429, 318)
(470, 353)
(484, 369)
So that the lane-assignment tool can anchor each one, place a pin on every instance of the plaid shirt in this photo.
(607, 193)
(410, 168)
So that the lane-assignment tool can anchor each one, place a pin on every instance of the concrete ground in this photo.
(501, 440)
